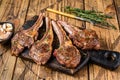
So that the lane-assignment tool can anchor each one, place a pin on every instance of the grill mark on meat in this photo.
(84, 39)
(41, 50)
(67, 54)
(25, 38)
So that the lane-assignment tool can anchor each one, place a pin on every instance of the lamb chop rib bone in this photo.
(25, 38)
(32, 31)
(67, 54)
(41, 50)
(84, 39)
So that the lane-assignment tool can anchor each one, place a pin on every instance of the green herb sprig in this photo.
(92, 16)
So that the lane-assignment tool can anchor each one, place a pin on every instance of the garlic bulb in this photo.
(6, 30)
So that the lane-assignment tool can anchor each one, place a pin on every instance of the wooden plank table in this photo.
(18, 11)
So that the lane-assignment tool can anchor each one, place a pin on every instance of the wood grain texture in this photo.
(14, 11)
(18, 11)
(117, 6)
(107, 37)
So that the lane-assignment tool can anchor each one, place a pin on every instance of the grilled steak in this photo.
(41, 50)
(67, 54)
(84, 39)
(25, 38)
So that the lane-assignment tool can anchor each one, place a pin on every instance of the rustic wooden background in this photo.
(18, 11)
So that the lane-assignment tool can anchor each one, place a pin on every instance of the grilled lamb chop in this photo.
(25, 38)
(41, 50)
(67, 54)
(84, 39)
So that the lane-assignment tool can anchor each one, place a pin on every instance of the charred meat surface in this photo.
(25, 38)
(41, 50)
(67, 54)
(84, 39)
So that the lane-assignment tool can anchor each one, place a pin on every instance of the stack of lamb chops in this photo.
(41, 50)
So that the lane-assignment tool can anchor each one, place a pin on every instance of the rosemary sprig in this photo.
(97, 18)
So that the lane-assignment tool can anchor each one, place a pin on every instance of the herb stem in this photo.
(94, 17)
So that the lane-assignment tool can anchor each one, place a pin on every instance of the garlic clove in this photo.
(4, 26)
(1, 29)
(5, 36)
(9, 27)
(6, 31)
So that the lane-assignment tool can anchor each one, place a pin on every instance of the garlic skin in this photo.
(5, 36)
(6, 30)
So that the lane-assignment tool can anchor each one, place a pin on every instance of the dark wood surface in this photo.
(18, 11)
